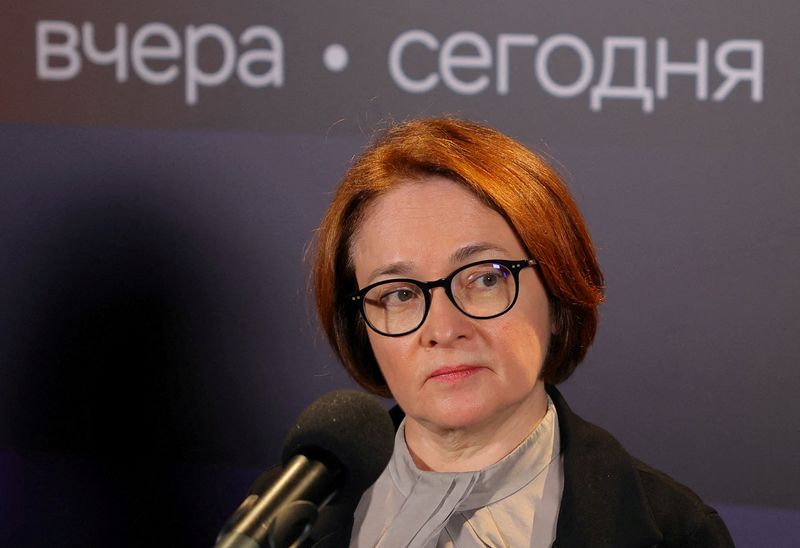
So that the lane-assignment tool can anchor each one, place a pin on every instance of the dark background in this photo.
(156, 333)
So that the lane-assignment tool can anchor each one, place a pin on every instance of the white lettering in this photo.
(733, 75)
(155, 54)
(273, 57)
(66, 49)
(504, 44)
(396, 57)
(699, 69)
(117, 54)
(584, 54)
(141, 52)
(638, 90)
(194, 74)
(448, 60)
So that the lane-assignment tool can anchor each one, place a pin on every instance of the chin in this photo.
(458, 415)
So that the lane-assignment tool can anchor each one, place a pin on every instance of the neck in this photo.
(477, 445)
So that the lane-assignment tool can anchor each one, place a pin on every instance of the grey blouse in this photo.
(513, 502)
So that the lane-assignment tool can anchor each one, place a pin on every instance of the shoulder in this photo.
(629, 502)
(684, 519)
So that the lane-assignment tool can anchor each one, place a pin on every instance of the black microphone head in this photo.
(349, 430)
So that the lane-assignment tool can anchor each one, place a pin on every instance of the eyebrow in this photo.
(402, 268)
(461, 255)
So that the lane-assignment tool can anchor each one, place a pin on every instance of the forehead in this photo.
(424, 222)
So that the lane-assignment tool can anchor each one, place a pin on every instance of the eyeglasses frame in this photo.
(514, 267)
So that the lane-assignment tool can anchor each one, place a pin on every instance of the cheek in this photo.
(536, 315)
(388, 353)
(522, 346)
(527, 339)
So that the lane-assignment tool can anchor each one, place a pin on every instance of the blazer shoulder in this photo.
(683, 518)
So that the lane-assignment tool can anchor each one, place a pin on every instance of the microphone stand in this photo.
(268, 521)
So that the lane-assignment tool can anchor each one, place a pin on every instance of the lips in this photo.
(454, 373)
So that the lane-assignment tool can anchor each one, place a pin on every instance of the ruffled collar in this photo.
(486, 486)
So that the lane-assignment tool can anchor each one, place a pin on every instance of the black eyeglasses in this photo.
(481, 290)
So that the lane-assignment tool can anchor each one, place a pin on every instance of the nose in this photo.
(445, 324)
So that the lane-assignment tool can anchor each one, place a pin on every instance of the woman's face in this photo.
(454, 371)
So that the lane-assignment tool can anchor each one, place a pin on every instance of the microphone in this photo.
(337, 448)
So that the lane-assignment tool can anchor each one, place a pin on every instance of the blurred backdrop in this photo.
(163, 167)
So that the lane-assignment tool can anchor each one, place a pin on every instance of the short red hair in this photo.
(507, 177)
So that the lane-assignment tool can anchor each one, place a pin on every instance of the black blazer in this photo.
(610, 499)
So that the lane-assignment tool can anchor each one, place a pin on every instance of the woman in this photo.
(454, 273)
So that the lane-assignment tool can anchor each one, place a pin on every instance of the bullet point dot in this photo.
(335, 58)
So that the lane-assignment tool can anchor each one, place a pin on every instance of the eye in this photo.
(488, 280)
(485, 278)
(393, 295)
(400, 295)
